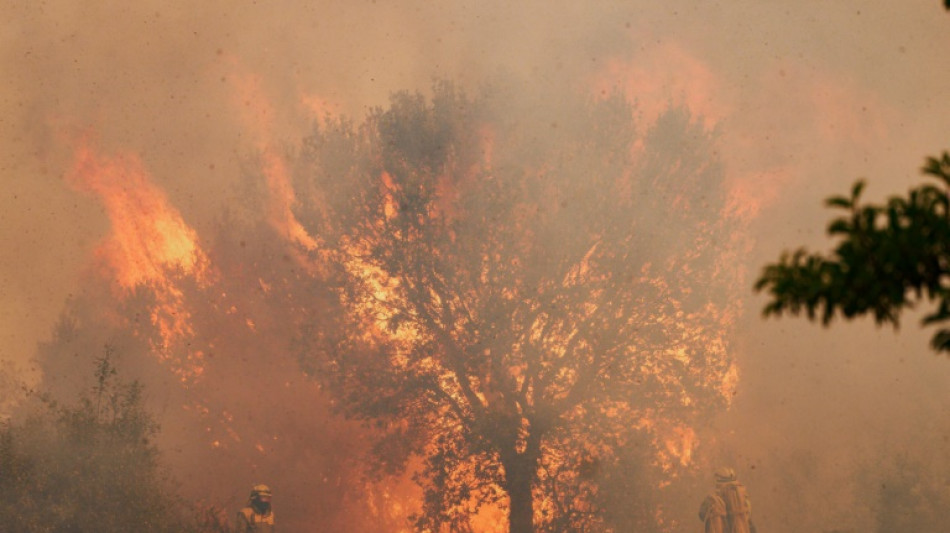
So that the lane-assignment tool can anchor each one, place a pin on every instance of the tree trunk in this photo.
(521, 469)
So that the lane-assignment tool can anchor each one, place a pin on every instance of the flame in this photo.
(258, 117)
(681, 443)
(150, 242)
(148, 237)
(669, 73)
(750, 194)
(490, 519)
(149, 245)
(393, 501)
(675, 442)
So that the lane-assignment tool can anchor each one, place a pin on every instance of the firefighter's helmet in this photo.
(725, 474)
(260, 491)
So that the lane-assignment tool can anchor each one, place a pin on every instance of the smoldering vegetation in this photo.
(252, 415)
(286, 341)
(306, 363)
(837, 430)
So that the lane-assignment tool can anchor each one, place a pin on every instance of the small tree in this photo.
(87, 467)
(890, 257)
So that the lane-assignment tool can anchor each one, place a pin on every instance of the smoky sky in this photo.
(806, 97)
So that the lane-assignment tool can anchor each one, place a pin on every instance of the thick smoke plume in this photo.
(209, 100)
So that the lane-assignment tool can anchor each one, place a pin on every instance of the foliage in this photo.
(890, 257)
(526, 291)
(87, 467)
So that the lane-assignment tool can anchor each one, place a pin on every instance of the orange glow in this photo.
(389, 205)
(393, 500)
(377, 308)
(151, 242)
(750, 195)
(258, 117)
(149, 245)
(148, 235)
(667, 74)
(655, 78)
(675, 442)
(681, 443)
(671, 74)
(318, 106)
(490, 519)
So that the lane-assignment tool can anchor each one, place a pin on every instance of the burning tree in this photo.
(527, 293)
(204, 323)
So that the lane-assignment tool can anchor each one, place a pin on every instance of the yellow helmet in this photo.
(725, 474)
(260, 490)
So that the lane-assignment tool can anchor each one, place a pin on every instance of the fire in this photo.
(675, 442)
(149, 245)
(283, 199)
(258, 117)
(680, 445)
(148, 237)
(672, 74)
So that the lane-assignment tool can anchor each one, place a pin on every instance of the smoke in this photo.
(806, 97)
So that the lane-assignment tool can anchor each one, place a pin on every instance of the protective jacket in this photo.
(713, 514)
(249, 520)
(727, 510)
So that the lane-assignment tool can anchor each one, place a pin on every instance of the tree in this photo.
(87, 467)
(233, 383)
(526, 292)
(890, 257)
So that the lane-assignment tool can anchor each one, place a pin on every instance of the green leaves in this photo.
(87, 467)
(889, 257)
(847, 202)
(938, 168)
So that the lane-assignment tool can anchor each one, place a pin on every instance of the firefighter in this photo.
(257, 516)
(727, 509)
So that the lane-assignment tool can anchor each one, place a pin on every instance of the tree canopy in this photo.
(889, 258)
(89, 466)
(526, 293)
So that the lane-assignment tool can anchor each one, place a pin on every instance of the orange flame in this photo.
(258, 116)
(148, 235)
(670, 74)
(149, 241)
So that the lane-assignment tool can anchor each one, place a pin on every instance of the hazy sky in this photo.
(809, 96)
